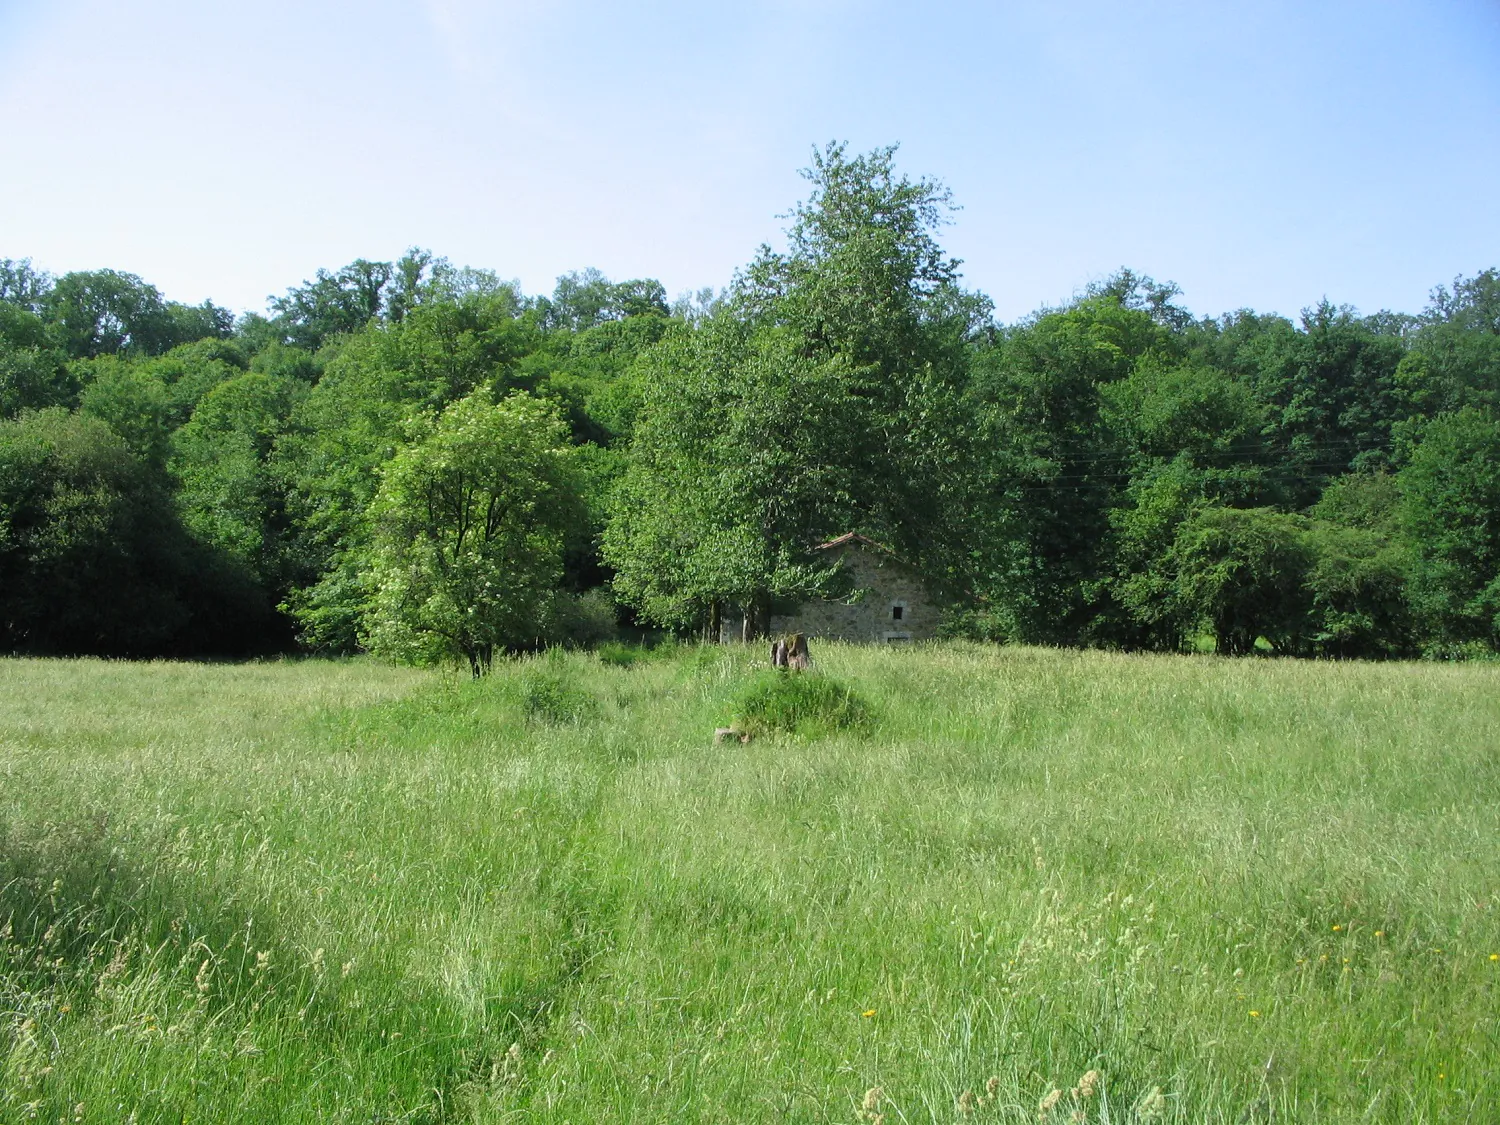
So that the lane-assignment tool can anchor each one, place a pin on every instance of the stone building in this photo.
(889, 604)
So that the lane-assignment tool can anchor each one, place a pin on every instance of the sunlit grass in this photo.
(1237, 890)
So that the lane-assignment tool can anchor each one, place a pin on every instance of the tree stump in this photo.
(791, 653)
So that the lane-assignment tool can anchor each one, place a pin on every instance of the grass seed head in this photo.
(1050, 1099)
(1152, 1106)
(1087, 1086)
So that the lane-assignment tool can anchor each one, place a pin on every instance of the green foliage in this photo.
(737, 470)
(1358, 584)
(1050, 465)
(1241, 574)
(1455, 357)
(22, 285)
(469, 527)
(145, 400)
(584, 620)
(231, 495)
(332, 303)
(1330, 389)
(191, 371)
(33, 374)
(588, 299)
(1158, 502)
(92, 557)
(809, 704)
(1450, 497)
(1371, 501)
(823, 398)
(85, 542)
(106, 312)
(866, 285)
(1072, 478)
(1165, 410)
(133, 401)
(354, 420)
(33, 379)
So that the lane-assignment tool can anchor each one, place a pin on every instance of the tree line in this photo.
(421, 460)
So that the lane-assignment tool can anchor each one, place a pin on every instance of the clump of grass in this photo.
(549, 695)
(804, 703)
(619, 655)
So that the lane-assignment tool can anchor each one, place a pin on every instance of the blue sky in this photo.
(1260, 154)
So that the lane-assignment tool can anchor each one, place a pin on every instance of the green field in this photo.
(1239, 891)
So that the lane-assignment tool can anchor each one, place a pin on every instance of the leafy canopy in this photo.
(470, 523)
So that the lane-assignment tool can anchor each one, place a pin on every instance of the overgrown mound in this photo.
(805, 703)
(550, 695)
(618, 654)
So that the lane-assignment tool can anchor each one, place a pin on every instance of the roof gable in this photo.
(883, 554)
(855, 538)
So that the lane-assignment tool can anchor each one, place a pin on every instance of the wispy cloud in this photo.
(476, 34)
(450, 19)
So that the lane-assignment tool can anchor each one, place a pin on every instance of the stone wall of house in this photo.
(881, 585)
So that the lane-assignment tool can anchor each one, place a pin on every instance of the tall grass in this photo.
(305, 892)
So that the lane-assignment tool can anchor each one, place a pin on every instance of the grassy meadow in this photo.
(1017, 885)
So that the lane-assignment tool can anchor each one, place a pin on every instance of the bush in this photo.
(584, 620)
(1358, 585)
(1242, 573)
(805, 703)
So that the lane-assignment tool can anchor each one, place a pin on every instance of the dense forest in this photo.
(420, 460)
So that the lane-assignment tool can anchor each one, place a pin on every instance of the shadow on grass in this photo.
(83, 915)
(75, 904)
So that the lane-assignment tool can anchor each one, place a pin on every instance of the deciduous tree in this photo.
(470, 523)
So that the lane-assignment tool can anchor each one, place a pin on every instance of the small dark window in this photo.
(897, 611)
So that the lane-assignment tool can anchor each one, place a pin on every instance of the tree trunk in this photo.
(481, 657)
(757, 617)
